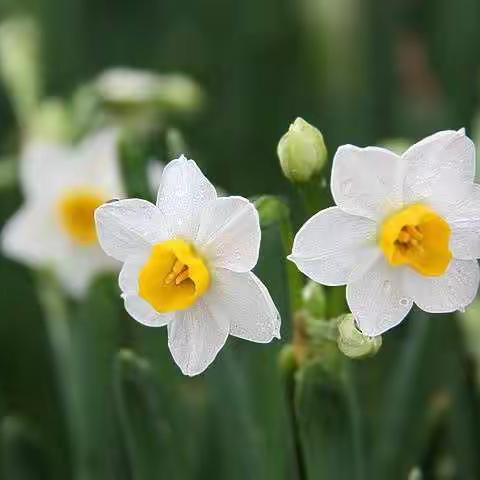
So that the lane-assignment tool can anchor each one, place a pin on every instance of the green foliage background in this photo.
(360, 70)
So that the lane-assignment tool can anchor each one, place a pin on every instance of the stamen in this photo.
(182, 276)
(178, 266)
(414, 232)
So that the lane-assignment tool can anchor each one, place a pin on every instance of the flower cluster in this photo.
(405, 230)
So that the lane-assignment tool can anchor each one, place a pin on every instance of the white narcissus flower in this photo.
(62, 187)
(406, 229)
(187, 265)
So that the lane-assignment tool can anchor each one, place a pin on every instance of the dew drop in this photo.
(387, 286)
(404, 302)
(461, 309)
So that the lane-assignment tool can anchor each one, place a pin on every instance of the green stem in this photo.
(300, 467)
(56, 321)
(294, 278)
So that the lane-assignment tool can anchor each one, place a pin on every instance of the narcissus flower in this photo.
(406, 229)
(187, 265)
(62, 187)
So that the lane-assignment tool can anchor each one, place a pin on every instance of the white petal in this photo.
(96, 162)
(182, 196)
(454, 290)
(195, 337)
(32, 236)
(140, 310)
(331, 244)
(78, 267)
(129, 227)
(378, 300)
(464, 221)
(128, 278)
(229, 234)
(42, 169)
(244, 301)
(449, 155)
(367, 181)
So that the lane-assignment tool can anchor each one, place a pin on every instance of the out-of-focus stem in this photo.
(55, 311)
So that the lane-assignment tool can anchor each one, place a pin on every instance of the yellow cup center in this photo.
(173, 277)
(418, 237)
(76, 210)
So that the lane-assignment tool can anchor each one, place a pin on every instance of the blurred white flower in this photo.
(128, 86)
(187, 265)
(55, 226)
(406, 230)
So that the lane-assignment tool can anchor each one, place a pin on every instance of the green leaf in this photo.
(22, 457)
(328, 421)
(153, 450)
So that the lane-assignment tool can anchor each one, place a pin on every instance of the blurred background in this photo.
(112, 404)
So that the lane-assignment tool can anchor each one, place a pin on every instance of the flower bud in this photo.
(302, 152)
(180, 93)
(352, 342)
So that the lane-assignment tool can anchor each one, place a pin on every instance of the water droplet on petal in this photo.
(404, 302)
(387, 286)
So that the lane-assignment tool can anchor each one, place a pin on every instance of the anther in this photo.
(178, 266)
(182, 276)
(414, 232)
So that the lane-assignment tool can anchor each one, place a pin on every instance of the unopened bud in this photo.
(302, 152)
(352, 342)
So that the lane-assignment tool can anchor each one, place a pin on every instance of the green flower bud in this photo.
(302, 152)
(352, 342)
(314, 299)
(180, 93)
